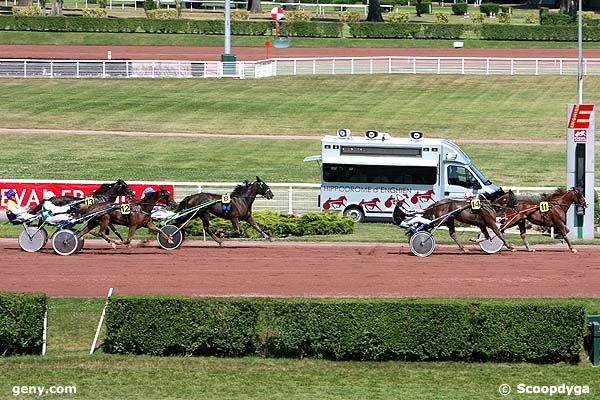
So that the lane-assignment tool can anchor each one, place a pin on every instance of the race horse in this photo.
(447, 211)
(132, 215)
(556, 216)
(239, 208)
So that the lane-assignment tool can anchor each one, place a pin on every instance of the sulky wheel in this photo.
(422, 244)
(64, 242)
(80, 242)
(174, 233)
(490, 246)
(32, 239)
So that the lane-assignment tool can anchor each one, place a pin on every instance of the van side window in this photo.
(460, 176)
(386, 174)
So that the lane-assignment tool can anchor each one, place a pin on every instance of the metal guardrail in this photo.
(291, 198)
(33, 68)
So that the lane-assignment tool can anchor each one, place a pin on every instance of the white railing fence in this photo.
(33, 68)
(291, 198)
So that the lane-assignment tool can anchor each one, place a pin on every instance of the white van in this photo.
(364, 177)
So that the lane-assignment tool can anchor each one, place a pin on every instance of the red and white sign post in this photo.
(581, 126)
(277, 15)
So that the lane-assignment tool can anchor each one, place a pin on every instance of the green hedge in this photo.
(144, 25)
(281, 225)
(405, 30)
(533, 32)
(348, 329)
(21, 322)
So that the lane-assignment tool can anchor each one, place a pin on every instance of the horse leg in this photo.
(253, 224)
(563, 230)
(236, 232)
(491, 223)
(523, 234)
(206, 223)
(150, 225)
(130, 234)
(452, 232)
(103, 224)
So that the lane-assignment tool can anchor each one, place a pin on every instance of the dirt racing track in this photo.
(299, 269)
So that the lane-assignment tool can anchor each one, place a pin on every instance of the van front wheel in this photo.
(355, 213)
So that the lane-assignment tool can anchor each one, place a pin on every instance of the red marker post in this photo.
(267, 44)
(277, 14)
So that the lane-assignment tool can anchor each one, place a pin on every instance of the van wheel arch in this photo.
(356, 213)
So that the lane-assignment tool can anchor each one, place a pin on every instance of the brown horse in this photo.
(461, 211)
(238, 209)
(556, 216)
(133, 215)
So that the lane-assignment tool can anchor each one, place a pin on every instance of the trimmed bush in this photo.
(26, 11)
(535, 32)
(555, 18)
(531, 18)
(385, 30)
(399, 17)
(540, 333)
(311, 29)
(478, 18)
(21, 322)
(94, 13)
(162, 13)
(348, 329)
(504, 18)
(459, 8)
(442, 31)
(282, 225)
(423, 7)
(350, 16)
(487, 8)
(442, 18)
(299, 15)
(240, 15)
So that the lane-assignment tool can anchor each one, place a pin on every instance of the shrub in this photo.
(555, 18)
(300, 15)
(21, 322)
(459, 8)
(27, 11)
(531, 18)
(162, 13)
(149, 5)
(423, 7)
(504, 18)
(400, 17)
(478, 18)
(282, 225)
(442, 18)
(379, 30)
(350, 16)
(487, 8)
(240, 15)
(94, 13)
(311, 29)
(348, 329)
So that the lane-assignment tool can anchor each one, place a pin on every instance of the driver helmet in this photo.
(48, 195)
(10, 193)
(147, 191)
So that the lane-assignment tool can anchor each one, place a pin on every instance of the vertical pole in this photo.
(580, 53)
(45, 333)
(100, 322)
(227, 49)
(290, 200)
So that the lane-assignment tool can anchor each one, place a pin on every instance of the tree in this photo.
(254, 6)
(568, 7)
(57, 7)
(375, 11)
(24, 3)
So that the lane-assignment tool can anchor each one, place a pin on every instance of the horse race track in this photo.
(301, 269)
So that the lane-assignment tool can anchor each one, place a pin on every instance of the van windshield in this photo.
(480, 176)
(393, 174)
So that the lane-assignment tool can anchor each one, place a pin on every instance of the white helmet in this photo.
(48, 195)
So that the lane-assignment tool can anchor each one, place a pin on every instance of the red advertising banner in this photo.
(580, 116)
(30, 194)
